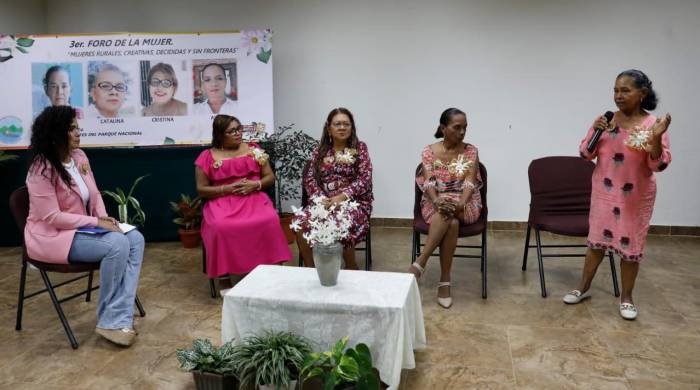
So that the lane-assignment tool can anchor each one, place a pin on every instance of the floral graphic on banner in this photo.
(258, 42)
(8, 43)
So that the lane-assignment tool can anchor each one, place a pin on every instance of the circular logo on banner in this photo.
(10, 130)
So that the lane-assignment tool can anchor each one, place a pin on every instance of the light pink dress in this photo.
(239, 231)
(624, 190)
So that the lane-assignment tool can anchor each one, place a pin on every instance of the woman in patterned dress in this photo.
(450, 182)
(340, 170)
(634, 146)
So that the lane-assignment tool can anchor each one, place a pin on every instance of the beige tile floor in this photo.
(514, 339)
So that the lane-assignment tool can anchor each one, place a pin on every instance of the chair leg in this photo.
(368, 251)
(616, 289)
(527, 246)
(204, 259)
(416, 246)
(59, 310)
(20, 299)
(539, 263)
(484, 264)
(212, 288)
(89, 288)
(139, 306)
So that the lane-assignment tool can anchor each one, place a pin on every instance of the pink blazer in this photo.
(56, 211)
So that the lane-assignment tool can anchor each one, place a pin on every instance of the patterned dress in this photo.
(624, 190)
(353, 180)
(239, 231)
(450, 183)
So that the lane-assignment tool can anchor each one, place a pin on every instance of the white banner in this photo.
(139, 89)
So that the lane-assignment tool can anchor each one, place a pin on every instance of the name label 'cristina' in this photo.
(162, 119)
(112, 120)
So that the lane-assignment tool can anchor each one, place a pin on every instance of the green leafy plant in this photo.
(341, 367)
(5, 157)
(123, 201)
(204, 357)
(189, 211)
(273, 359)
(289, 152)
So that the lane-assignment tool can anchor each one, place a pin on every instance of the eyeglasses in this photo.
(162, 83)
(235, 130)
(341, 124)
(107, 86)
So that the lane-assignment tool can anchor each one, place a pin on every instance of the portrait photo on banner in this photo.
(215, 86)
(57, 84)
(112, 92)
(165, 87)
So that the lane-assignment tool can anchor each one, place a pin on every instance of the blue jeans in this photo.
(120, 256)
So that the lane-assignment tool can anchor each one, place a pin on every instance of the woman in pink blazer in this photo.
(63, 197)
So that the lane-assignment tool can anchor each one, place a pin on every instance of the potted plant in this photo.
(212, 368)
(324, 229)
(289, 152)
(189, 216)
(271, 361)
(123, 201)
(341, 368)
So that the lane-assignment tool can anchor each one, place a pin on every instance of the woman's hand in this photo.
(334, 201)
(445, 206)
(109, 223)
(661, 125)
(600, 123)
(244, 187)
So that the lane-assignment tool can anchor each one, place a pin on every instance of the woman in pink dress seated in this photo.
(634, 146)
(450, 181)
(240, 228)
(340, 170)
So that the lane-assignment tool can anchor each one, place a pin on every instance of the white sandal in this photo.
(628, 311)
(419, 269)
(444, 302)
(576, 296)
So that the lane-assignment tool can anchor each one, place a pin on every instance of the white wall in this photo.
(531, 75)
(22, 16)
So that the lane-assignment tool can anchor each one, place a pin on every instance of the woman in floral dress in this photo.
(340, 170)
(450, 182)
(634, 146)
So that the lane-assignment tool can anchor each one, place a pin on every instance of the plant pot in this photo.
(189, 238)
(327, 259)
(211, 381)
(285, 220)
(292, 386)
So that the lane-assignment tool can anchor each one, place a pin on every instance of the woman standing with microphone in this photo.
(632, 147)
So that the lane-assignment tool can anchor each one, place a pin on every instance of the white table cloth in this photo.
(380, 309)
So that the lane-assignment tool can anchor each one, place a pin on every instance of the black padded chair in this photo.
(19, 206)
(560, 201)
(420, 226)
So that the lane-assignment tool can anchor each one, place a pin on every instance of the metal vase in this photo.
(327, 259)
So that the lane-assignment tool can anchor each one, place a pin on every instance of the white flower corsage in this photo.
(459, 166)
(639, 138)
(259, 156)
(346, 156)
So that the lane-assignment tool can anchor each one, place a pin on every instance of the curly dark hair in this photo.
(49, 142)
(642, 81)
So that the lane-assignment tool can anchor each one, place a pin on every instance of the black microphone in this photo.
(598, 132)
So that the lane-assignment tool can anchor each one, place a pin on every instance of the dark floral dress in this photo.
(352, 179)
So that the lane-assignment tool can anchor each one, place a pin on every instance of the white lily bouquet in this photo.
(321, 225)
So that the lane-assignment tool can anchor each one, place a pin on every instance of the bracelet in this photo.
(259, 185)
(221, 190)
